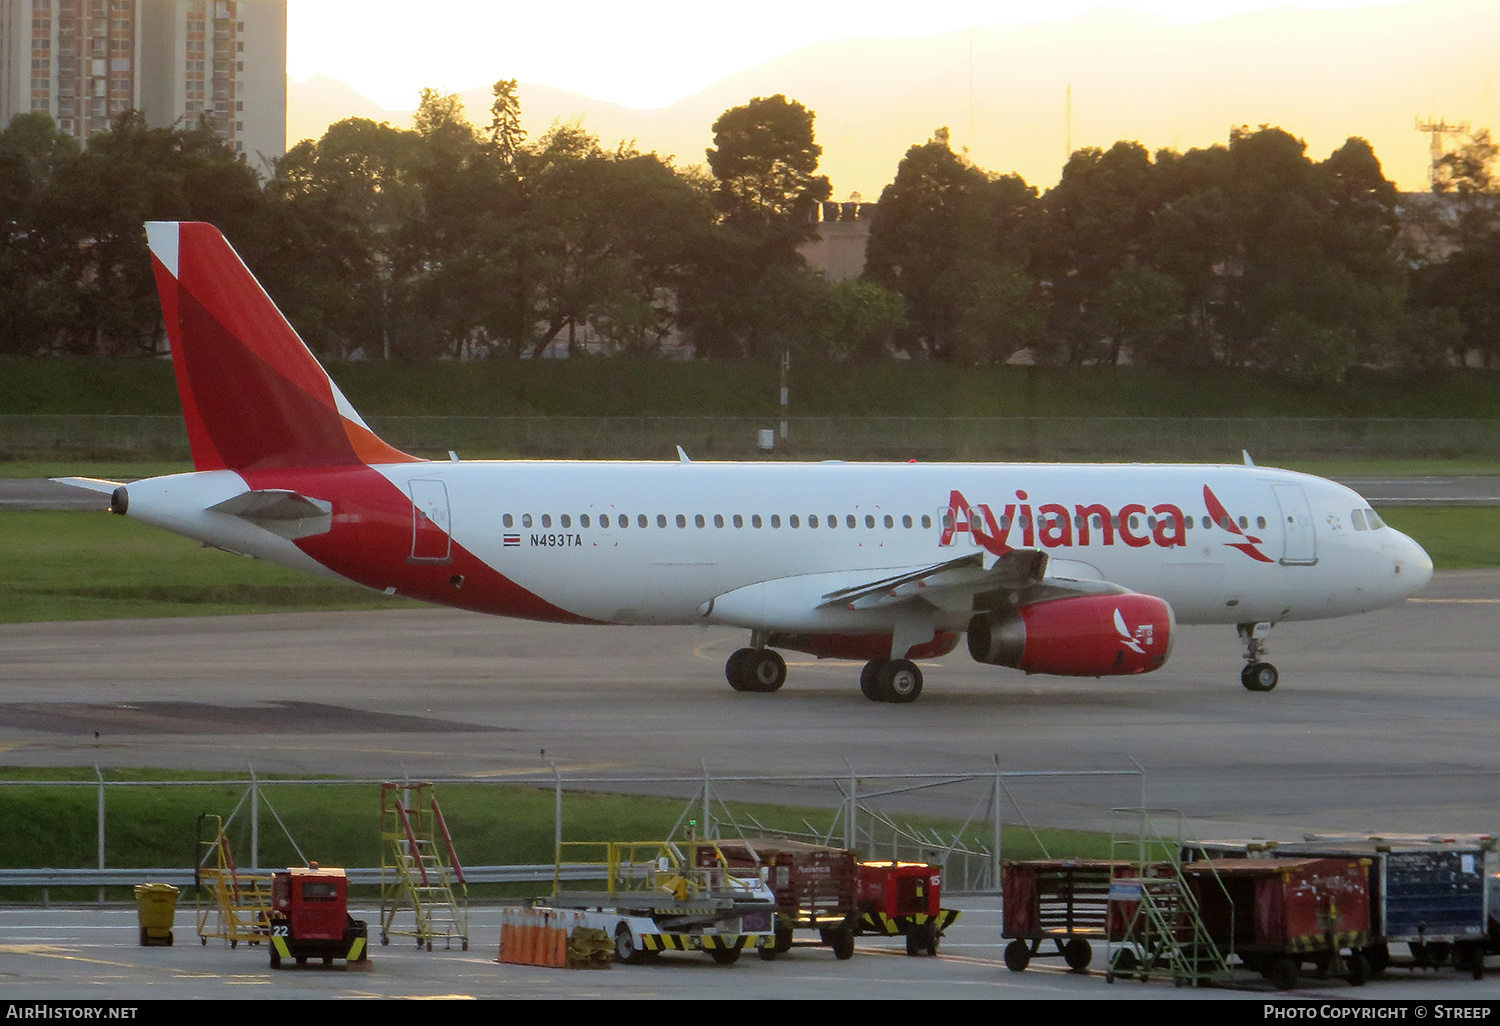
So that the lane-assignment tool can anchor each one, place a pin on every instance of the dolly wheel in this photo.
(1017, 956)
(1078, 954)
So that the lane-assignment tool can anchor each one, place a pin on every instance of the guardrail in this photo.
(1214, 439)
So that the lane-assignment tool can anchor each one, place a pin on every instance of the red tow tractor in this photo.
(310, 918)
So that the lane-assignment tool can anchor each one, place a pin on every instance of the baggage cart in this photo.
(1278, 915)
(1062, 901)
(814, 887)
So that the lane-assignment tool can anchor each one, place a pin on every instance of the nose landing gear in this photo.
(1257, 675)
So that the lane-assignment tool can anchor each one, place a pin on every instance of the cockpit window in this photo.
(1374, 519)
(1358, 517)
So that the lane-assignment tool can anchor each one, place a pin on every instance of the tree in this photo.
(1098, 220)
(748, 275)
(506, 134)
(941, 231)
(764, 157)
(38, 301)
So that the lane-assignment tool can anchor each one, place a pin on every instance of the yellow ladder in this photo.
(419, 869)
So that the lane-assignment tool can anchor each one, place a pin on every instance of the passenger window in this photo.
(849, 520)
(661, 520)
(755, 520)
(525, 519)
(812, 521)
(833, 520)
(906, 521)
(792, 521)
(566, 521)
(739, 521)
(698, 519)
(1260, 523)
(508, 520)
(775, 519)
(718, 520)
(1244, 522)
(890, 521)
(927, 522)
(681, 520)
(641, 521)
(546, 519)
(583, 520)
(624, 520)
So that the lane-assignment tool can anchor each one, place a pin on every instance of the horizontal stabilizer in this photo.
(93, 484)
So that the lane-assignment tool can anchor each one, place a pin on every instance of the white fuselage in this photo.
(655, 543)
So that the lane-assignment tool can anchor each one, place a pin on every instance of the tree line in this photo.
(451, 240)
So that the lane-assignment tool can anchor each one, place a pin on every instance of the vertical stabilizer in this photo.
(253, 395)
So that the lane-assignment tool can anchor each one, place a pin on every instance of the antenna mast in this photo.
(1437, 129)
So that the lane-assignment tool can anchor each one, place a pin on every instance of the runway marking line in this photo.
(1458, 601)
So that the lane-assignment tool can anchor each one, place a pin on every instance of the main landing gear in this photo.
(755, 669)
(1257, 675)
(891, 680)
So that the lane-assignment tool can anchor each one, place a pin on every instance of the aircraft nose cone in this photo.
(1413, 567)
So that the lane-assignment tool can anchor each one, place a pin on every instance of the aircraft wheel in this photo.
(735, 669)
(869, 686)
(1259, 677)
(899, 681)
(765, 669)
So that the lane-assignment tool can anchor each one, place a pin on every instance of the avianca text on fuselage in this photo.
(1052, 525)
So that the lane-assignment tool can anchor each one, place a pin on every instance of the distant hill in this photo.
(1323, 75)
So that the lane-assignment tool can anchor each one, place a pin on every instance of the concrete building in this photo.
(86, 61)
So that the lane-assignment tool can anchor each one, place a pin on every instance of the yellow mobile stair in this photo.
(419, 869)
(238, 905)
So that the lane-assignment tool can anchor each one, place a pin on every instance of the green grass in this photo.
(93, 566)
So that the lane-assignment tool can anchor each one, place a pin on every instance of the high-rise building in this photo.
(178, 61)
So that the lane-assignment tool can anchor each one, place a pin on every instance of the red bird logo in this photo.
(1221, 517)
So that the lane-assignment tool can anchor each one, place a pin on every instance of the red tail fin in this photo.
(253, 395)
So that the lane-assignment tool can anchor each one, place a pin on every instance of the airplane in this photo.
(1064, 569)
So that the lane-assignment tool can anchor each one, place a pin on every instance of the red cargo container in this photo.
(814, 887)
(903, 898)
(1277, 914)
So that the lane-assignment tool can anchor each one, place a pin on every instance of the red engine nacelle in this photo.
(1083, 636)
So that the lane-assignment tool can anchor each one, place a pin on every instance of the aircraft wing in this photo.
(848, 601)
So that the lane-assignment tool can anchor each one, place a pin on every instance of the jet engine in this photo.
(1081, 636)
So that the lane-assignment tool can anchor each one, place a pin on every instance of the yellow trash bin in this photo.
(157, 907)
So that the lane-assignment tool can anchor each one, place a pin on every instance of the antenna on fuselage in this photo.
(682, 457)
(1248, 461)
